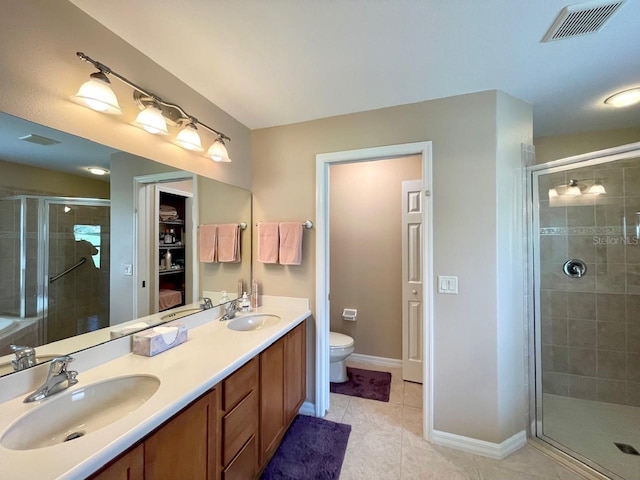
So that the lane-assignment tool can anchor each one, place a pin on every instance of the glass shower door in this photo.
(586, 224)
(77, 297)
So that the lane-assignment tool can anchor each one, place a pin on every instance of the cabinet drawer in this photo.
(238, 426)
(239, 384)
(244, 466)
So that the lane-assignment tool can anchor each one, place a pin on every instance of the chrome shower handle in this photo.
(574, 268)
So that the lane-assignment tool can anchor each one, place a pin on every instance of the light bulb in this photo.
(218, 152)
(624, 98)
(188, 138)
(98, 170)
(152, 121)
(97, 95)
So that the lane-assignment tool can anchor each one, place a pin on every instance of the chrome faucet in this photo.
(25, 357)
(207, 303)
(58, 378)
(230, 309)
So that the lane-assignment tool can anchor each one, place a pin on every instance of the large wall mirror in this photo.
(86, 255)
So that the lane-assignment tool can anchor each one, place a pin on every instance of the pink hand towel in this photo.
(229, 243)
(268, 242)
(290, 243)
(207, 238)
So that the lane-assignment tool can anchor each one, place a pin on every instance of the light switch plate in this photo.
(128, 269)
(447, 285)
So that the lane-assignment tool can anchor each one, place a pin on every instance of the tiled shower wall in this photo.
(591, 325)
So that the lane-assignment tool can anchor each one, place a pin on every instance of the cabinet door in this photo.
(295, 363)
(185, 447)
(272, 417)
(129, 466)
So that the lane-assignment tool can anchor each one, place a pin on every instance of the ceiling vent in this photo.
(33, 138)
(584, 19)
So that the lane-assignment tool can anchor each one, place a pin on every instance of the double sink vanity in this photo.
(214, 407)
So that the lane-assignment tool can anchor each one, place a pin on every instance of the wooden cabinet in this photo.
(295, 368)
(272, 418)
(129, 466)
(239, 423)
(184, 447)
(282, 388)
(232, 431)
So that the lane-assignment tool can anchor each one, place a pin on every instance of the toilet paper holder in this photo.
(349, 314)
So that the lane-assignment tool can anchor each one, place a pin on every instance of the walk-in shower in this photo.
(55, 259)
(585, 258)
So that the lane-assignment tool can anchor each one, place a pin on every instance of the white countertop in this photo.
(211, 353)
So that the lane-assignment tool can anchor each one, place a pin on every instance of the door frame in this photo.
(323, 162)
(143, 237)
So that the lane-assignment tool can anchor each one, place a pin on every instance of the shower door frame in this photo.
(533, 278)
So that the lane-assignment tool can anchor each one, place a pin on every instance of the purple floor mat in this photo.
(312, 449)
(366, 384)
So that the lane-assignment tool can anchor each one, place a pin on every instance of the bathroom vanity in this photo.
(224, 401)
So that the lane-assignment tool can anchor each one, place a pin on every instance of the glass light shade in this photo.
(97, 95)
(189, 139)
(152, 121)
(553, 193)
(218, 152)
(625, 98)
(597, 189)
(573, 191)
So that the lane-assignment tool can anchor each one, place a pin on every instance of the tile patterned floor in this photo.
(386, 443)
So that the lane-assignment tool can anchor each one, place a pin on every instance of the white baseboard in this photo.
(481, 447)
(380, 361)
(308, 408)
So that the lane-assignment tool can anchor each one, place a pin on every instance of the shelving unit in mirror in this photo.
(172, 250)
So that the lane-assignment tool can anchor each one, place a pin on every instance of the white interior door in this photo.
(412, 277)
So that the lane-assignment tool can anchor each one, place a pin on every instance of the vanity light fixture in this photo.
(188, 138)
(573, 190)
(553, 193)
(96, 94)
(218, 151)
(151, 120)
(155, 112)
(597, 189)
(625, 98)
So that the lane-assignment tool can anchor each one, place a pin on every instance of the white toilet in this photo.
(340, 347)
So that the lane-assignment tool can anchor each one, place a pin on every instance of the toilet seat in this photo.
(339, 340)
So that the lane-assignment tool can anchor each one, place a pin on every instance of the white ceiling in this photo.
(275, 62)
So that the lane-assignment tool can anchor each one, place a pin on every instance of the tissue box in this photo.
(158, 339)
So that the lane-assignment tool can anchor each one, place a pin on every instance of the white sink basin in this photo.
(251, 322)
(180, 313)
(69, 415)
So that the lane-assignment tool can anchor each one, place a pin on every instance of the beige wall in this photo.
(219, 203)
(366, 251)
(562, 146)
(21, 177)
(40, 71)
(469, 350)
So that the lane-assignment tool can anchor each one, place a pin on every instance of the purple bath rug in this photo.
(366, 384)
(312, 449)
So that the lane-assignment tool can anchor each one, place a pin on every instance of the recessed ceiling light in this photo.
(624, 98)
(98, 170)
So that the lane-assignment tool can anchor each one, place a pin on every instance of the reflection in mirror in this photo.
(68, 244)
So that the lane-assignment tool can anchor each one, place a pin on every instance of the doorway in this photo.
(324, 261)
(585, 254)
